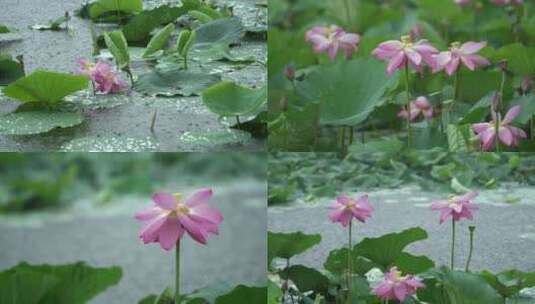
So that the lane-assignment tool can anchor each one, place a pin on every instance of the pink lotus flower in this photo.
(85, 67)
(457, 207)
(398, 53)
(450, 60)
(419, 106)
(104, 76)
(507, 134)
(345, 208)
(171, 215)
(507, 2)
(397, 287)
(331, 40)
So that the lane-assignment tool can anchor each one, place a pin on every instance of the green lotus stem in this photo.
(186, 61)
(452, 243)
(118, 11)
(408, 104)
(341, 137)
(455, 87)
(351, 134)
(130, 76)
(471, 229)
(238, 120)
(497, 110)
(177, 281)
(287, 280)
(153, 121)
(349, 270)
(531, 135)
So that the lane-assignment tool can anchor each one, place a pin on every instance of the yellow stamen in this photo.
(181, 208)
(407, 41)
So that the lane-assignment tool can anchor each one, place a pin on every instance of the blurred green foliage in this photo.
(315, 175)
(40, 180)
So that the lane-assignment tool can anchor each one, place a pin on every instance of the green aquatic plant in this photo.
(185, 41)
(118, 47)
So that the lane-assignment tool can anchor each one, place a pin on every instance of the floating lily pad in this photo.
(230, 99)
(213, 139)
(218, 52)
(45, 86)
(109, 144)
(86, 100)
(174, 82)
(224, 31)
(35, 122)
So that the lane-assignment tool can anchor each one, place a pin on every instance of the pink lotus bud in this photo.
(283, 103)
(526, 85)
(289, 72)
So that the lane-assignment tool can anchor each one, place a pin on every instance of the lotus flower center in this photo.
(332, 31)
(181, 208)
(455, 45)
(396, 276)
(352, 203)
(453, 201)
(407, 42)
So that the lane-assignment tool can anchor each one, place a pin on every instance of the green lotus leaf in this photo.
(65, 284)
(174, 82)
(306, 279)
(387, 250)
(45, 86)
(243, 295)
(348, 91)
(230, 99)
(35, 122)
(10, 70)
(450, 286)
(226, 30)
(101, 7)
(159, 40)
(141, 25)
(118, 47)
(287, 245)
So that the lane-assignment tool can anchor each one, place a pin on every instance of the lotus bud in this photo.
(289, 72)
(526, 85)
